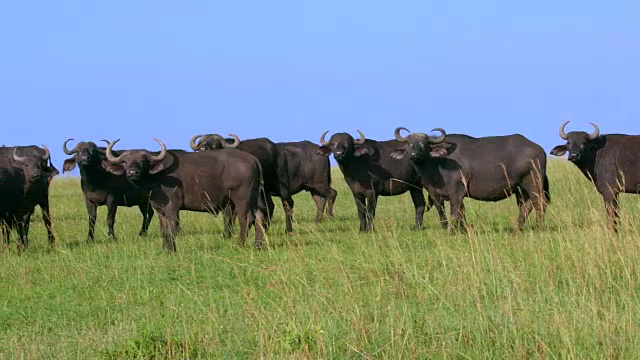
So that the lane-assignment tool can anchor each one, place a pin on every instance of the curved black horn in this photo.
(439, 139)
(361, 140)
(106, 141)
(109, 154)
(322, 141)
(596, 133)
(400, 137)
(163, 152)
(67, 151)
(563, 134)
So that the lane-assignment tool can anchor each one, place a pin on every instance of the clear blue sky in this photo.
(289, 70)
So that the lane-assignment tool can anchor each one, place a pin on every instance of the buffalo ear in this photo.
(323, 150)
(113, 168)
(399, 154)
(438, 152)
(53, 171)
(363, 150)
(69, 164)
(559, 150)
(156, 168)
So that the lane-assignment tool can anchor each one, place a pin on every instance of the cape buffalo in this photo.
(370, 172)
(101, 187)
(25, 175)
(310, 172)
(456, 166)
(207, 181)
(274, 169)
(609, 161)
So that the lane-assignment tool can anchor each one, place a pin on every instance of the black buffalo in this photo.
(274, 169)
(310, 172)
(609, 161)
(456, 166)
(207, 181)
(25, 176)
(370, 172)
(101, 187)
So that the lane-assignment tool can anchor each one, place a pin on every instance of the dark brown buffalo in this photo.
(456, 166)
(274, 168)
(101, 187)
(610, 161)
(207, 181)
(25, 175)
(310, 172)
(370, 172)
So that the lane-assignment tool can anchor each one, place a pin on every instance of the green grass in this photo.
(569, 291)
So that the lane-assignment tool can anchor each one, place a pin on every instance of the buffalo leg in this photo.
(331, 201)
(321, 202)
(46, 218)
(258, 219)
(92, 210)
(112, 210)
(147, 214)
(439, 205)
(417, 196)
(372, 202)
(532, 190)
(178, 225)
(362, 208)
(244, 222)
(23, 241)
(540, 205)
(168, 230)
(287, 206)
(612, 206)
(5, 231)
(270, 209)
(7, 225)
(262, 208)
(27, 223)
(525, 205)
(457, 212)
(229, 216)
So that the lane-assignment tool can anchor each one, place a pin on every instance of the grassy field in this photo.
(569, 291)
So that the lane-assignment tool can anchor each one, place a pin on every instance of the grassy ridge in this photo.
(329, 291)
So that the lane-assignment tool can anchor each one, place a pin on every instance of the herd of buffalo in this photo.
(239, 178)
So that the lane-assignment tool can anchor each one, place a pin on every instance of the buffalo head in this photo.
(419, 146)
(137, 164)
(212, 142)
(578, 142)
(34, 162)
(344, 146)
(83, 154)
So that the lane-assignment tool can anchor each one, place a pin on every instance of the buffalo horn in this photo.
(47, 154)
(361, 140)
(236, 142)
(400, 137)
(67, 151)
(194, 144)
(109, 154)
(596, 133)
(17, 158)
(163, 152)
(563, 134)
(322, 141)
(439, 139)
